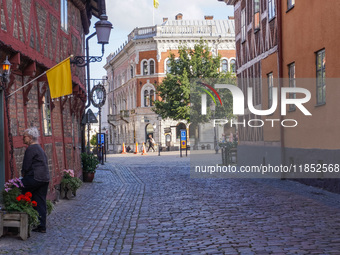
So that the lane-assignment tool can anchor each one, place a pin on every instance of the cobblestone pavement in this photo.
(150, 205)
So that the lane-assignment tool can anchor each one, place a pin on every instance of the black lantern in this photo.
(6, 69)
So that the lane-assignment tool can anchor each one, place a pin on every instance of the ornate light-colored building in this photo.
(136, 68)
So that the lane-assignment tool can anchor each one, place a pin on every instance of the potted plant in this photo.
(69, 184)
(89, 162)
(17, 206)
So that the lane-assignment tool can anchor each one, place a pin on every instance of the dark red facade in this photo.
(34, 39)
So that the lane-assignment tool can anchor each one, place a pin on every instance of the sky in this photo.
(125, 15)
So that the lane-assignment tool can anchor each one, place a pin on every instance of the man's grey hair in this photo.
(33, 132)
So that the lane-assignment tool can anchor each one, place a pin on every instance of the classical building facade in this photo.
(35, 36)
(137, 67)
(285, 44)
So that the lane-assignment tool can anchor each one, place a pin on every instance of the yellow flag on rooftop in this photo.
(60, 79)
(155, 3)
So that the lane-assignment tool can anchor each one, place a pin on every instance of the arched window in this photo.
(224, 65)
(152, 67)
(146, 98)
(148, 95)
(152, 97)
(168, 68)
(233, 66)
(178, 129)
(145, 67)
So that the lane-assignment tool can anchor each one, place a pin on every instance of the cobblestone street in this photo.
(150, 205)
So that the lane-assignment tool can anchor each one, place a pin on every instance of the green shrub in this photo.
(89, 162)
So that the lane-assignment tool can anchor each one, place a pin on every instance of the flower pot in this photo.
(17, 220)
(88, 176)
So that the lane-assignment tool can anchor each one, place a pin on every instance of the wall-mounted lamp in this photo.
(6, 70)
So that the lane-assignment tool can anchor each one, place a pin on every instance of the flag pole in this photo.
(26, 84)
(153, 15)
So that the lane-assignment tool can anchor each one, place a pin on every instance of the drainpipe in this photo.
(280, 76)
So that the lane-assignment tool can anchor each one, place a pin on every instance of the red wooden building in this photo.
(36, 35)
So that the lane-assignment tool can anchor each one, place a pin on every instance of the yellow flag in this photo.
(155, 3)
(60, 79)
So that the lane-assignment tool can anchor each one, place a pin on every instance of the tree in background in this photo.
(181, 89)
(93, 140)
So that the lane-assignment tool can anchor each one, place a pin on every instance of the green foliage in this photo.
(73, 183)
(89, 162)
(93, 140)
(50, 207)
(181, 90)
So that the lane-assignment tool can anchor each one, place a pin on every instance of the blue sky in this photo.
(125, 15)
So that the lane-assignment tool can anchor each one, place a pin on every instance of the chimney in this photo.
(179, 16)
(165, 20)
(231, 17)
(208, 17)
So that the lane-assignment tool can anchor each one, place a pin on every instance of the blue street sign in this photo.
(102, 138)
(183, 135)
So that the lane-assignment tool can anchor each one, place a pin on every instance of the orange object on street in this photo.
(136, 149)
(144, 151)
(124, 150)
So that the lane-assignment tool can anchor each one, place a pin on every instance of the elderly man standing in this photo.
(35, 174)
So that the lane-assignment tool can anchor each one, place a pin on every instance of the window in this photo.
(271, 9)
(224, 65)
(290, 4)
(270, 90)
(146, 98)
(233, 66)
(256, 14)
(152, 97)
(168, 68)
(243, 25)
(321, 77)
(145, 67)
(292, 84)
(152, 67)
(63, 15)
(131, 71)
(46, 114)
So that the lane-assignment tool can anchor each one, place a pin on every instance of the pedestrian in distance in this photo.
(151, 143)
(35, 174)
